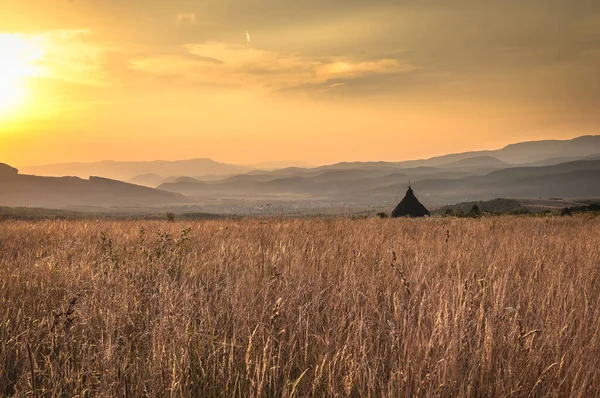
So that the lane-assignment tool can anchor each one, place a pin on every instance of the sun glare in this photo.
(19, 60)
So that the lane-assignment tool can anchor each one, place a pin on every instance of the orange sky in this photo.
(245, 81)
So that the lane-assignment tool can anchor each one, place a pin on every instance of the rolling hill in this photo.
(524, 152)
(435, 186)
(127, 170)
(58, 192)
(567, 180)
(552, 168)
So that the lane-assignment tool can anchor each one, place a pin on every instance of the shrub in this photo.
(475, 212)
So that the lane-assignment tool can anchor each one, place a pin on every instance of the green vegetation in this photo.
(593, 207)
(494, 206)
(32, 213)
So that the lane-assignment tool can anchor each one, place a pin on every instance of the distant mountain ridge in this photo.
(59, 192)
(436, 186)
(551, 168)
(476, 161)
(566, 180)
(524, 152)
(280, 165)
(127, 170)
(6, 170)
(156, 172)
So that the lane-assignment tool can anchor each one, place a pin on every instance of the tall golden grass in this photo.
(504, 306)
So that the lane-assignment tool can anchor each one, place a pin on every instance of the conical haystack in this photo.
(410, 206)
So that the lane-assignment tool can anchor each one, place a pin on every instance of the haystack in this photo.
(410, 206)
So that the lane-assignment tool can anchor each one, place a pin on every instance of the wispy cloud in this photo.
(186, 18)
(69, 56)
(249, 67)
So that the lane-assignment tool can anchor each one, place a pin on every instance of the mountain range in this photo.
(18, 190)
(526, 153)
(127, 170)
(152, 173)
(436, 186)
(552, 168)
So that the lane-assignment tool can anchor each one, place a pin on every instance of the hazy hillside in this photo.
(280, 165)
(547, 152)
(568, 180)
(548, 172)
(148, 180)
(538, 150)
(6, 170)
(153, 173)
(127, 170)
(476, 161)
(56, 192)
(524, 152)
(335, 182)
(379, 186)
(320, 179)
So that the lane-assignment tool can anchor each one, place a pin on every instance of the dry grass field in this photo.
(501, 306)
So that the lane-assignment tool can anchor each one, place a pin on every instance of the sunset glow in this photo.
(298, 198)
(18, 62)
(245, 82)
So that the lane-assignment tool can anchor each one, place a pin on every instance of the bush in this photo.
(475, 212)
(520, 211)
(494, 206)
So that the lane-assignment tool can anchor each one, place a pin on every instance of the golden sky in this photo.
(245, 81)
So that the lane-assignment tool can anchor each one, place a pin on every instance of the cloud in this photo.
(68, 56)
(186, 18)
(244, 66)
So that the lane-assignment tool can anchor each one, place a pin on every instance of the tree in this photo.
(475, 212)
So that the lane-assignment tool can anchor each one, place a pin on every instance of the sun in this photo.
(19, 61)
